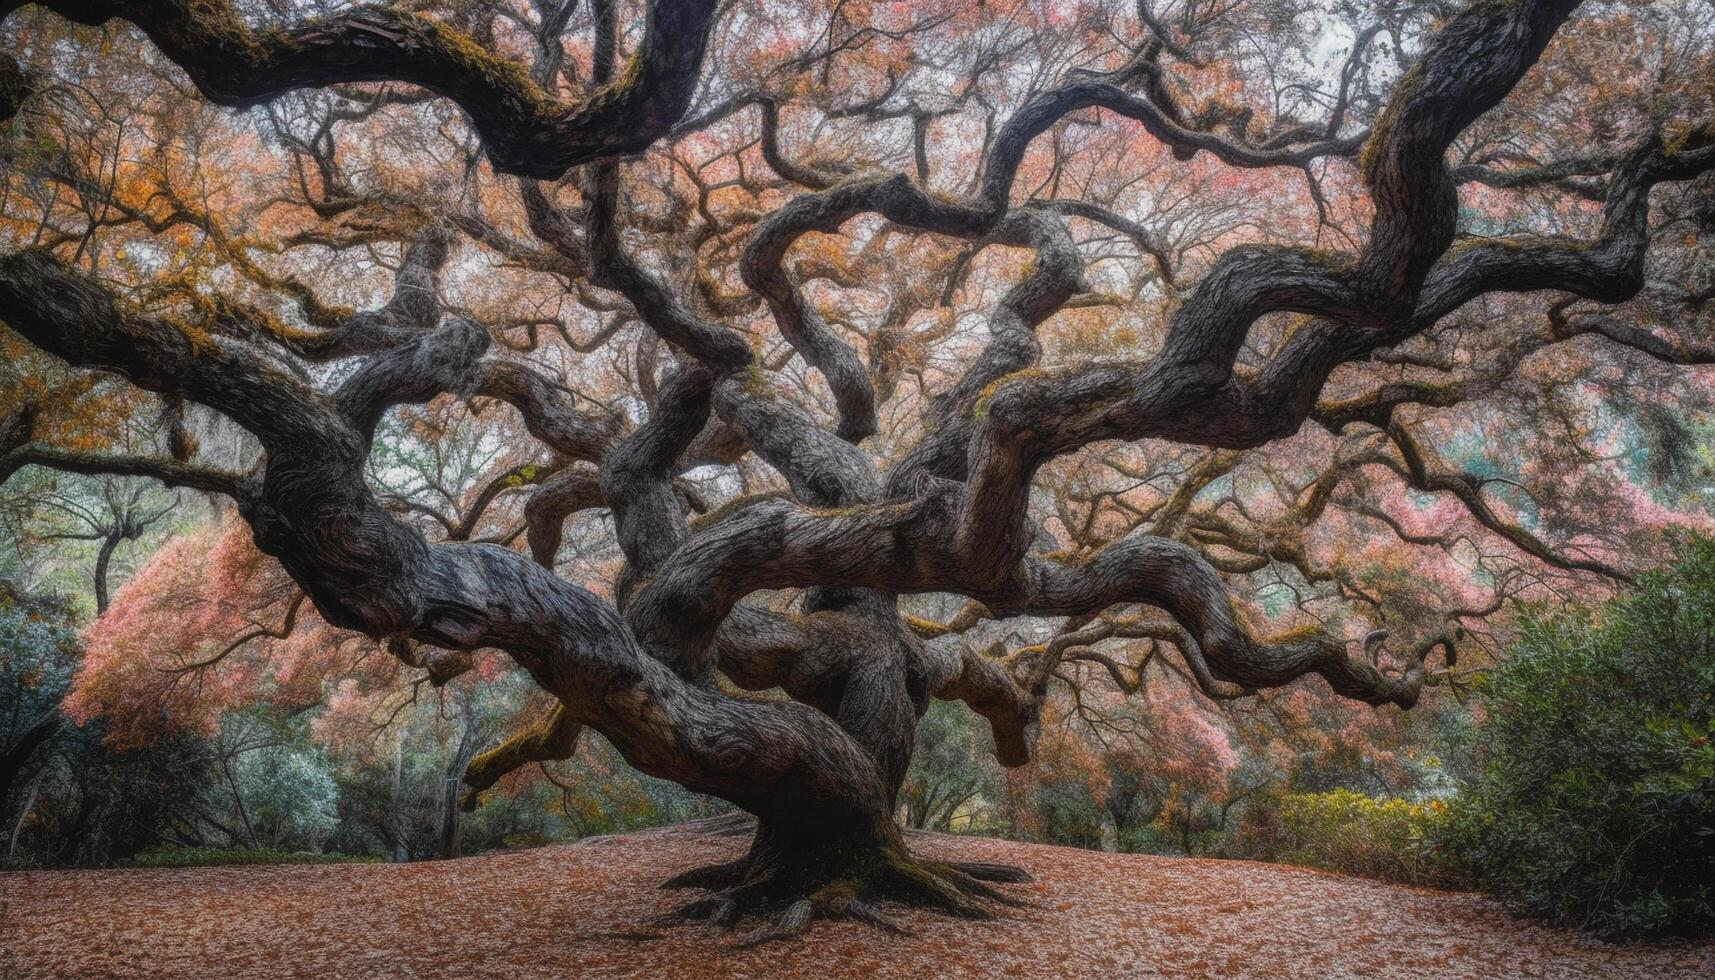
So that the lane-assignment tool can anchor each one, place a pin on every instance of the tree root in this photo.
(746, 888)
(1006, 874)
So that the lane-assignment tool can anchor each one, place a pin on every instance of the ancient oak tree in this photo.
(898, 322)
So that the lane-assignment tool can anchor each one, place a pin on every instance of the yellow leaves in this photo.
(1091, 332)
(133, 188)
(76, 410)
(523, 476)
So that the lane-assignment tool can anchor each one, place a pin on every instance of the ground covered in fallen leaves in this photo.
(588, 910)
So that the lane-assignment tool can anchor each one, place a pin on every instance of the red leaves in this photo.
(166, 656)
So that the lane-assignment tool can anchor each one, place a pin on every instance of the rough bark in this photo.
(527, 129)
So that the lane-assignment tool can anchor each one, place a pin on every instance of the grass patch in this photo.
(209, 857)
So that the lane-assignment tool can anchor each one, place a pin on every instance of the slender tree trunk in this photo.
(450, 791)
(450, 812)
(395, 815)
(23, 814)
(238, 800)
(103, 559)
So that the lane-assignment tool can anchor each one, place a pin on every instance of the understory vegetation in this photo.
(214, 857)
(1595, 806)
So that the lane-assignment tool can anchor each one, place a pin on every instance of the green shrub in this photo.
(198, 857)
(1596, 802)
(1341, 830)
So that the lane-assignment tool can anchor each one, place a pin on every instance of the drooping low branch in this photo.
(1638, 339)
(172, 472)
(909, 546)
(550, 739)
(1416, 467)
(1173, 577)
(1012, 709)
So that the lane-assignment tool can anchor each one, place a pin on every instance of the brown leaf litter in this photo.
(587, 910)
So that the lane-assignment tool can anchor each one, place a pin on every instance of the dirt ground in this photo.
(586, 910)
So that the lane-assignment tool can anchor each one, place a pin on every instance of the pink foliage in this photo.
(162, 659)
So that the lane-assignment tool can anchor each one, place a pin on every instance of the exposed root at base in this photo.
(1006, 874)
(715, 877)
(798, 916)
(742, 889)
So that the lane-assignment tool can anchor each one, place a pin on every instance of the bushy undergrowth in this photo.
(1596, 802)
(1342, 830)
